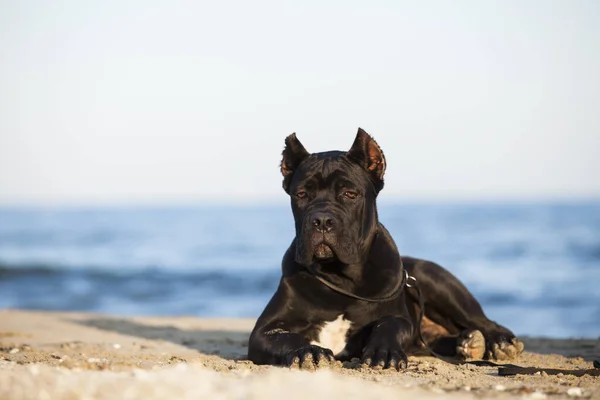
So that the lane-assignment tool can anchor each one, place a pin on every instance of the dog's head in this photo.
(333, 198)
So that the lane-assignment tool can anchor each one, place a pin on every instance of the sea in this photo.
(535, 267)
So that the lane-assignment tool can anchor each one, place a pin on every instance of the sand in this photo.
(56, 355)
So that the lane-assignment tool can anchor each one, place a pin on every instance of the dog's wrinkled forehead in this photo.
(330, 169)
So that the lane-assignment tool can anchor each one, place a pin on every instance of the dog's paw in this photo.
(471, 345)
(384, 356)
(503, 348)
(309, 358)
(501, 344)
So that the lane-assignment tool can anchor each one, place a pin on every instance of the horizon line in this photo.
(284, 201)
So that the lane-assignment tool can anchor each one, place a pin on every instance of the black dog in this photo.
(342, 293)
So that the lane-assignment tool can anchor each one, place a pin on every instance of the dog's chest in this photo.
(333, 335)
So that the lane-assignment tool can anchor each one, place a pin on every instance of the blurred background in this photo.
(140, 144)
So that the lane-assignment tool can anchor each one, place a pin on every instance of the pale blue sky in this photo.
(168, 102)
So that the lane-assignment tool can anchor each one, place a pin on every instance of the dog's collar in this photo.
(394, 293)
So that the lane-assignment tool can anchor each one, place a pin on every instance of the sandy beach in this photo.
(55, 355)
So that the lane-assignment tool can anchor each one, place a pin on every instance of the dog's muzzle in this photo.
(322, 229)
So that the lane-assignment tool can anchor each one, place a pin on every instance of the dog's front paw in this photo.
(309, 357)
(384, 355)
(502, 346)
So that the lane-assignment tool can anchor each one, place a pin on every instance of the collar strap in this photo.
(400, 283)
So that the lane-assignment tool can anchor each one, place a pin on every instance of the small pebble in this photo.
(14, 351)
(467, 388)
(576, 392)
(116, 346)
(537, 395)
(500, 388)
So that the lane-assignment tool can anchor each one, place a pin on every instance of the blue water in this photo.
(534, 267)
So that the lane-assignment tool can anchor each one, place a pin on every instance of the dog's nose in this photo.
(322, 222)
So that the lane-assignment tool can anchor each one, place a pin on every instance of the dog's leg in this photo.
(385, 344)
(467, 345)
(275, 338)
(449, 304)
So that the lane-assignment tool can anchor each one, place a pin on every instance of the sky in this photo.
(147, 102)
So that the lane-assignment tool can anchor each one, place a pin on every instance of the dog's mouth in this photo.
(323, 252)
(319, 247)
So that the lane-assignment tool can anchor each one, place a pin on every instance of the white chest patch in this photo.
(333, 335)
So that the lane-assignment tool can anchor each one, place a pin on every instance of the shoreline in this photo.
(75, 355)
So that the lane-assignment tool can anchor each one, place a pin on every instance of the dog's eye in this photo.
(301, 195)
(350, 195)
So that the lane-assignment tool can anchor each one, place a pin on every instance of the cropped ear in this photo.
(366, 152)
(293, 154)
